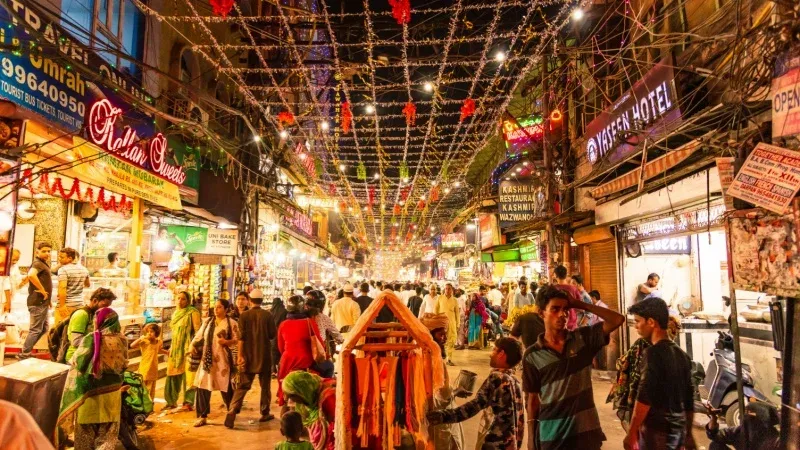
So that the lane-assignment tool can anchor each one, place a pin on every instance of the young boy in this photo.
(557, 373)
(662, 415)
(292, 430)
(503, 394)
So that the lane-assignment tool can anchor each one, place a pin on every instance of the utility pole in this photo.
(547, 151)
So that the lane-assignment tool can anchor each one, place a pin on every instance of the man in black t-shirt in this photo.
(415, 301)
(528, 326)
(364, 300)
(39, 291)
(662, 416)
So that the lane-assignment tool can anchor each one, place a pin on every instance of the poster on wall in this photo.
(769, 178)
(725, 171)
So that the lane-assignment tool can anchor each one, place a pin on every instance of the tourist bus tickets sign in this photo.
(651, 105)
(769, 178)
(520, 200)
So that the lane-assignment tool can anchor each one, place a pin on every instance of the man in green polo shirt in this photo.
(557, 375)
(80, 322)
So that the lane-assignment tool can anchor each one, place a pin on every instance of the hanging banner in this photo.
(489, 230)
(725, 171)
(769, 178)
(786, 95)
(100, 168)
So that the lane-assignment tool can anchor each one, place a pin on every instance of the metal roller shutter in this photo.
(603, 272)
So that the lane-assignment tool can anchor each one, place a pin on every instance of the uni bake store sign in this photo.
(648, 110)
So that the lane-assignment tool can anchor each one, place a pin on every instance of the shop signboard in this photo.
(489, 230)
(519, 133)
(208, 241)
(668, 246)
(529, 251)
(300, 222)
(520, 200)
(651, 105)
(725, 171)
(453, 240)
(769, 178)
(786, 95)
(54, 78)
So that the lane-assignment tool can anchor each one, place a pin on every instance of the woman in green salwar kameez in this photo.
(184, 324)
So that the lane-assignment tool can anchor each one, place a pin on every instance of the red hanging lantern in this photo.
(421, 204)
(467, 109)
(371, 196)
(342, 206)
(396, 210)
(285, 118)
(435, 193)
(222, 7)
(347, 117)
(410, 112)
(332, 189)
(404, 193)
(401, 11)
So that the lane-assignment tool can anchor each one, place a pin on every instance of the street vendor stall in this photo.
(379, 362)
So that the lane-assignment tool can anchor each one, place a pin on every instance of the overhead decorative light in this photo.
(508, 179)
(556, 115)
(405, 180)
(446, 190)
(519, 169)
(457, 184)
(342, 167)
(324, 125)
(500, 56)
(525, 163)
(370, 109)
(434, 183)
(577, 14)
(256, 138)
(283, 134)
(377, 176)
(428, 86)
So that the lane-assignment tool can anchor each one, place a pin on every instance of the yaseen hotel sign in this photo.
(648, 110)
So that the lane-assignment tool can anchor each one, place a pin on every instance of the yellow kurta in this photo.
(148, 367)
(449, 307)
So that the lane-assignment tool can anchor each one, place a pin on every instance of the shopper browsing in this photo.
(664, 409)
(292, 429)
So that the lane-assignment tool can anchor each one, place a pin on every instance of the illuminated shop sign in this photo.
(128, 145)
(520, 200)
(668, 246)
(521, 132)
(453, 240)
(299, 221)
(648, 110)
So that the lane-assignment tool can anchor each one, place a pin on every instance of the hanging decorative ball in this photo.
(361, 171)
(435, 193)
(404, 193)
(421, 204)
(332, 189)
(222, 7)
(467, 109)
(396, 210)
(401, 11)
(410, 112)
(403, 170)
(286, 118)
(347, 117)
(342, 206)
(371, 196)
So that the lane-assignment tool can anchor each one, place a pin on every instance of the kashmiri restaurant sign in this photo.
(520, 200)
(648, 110)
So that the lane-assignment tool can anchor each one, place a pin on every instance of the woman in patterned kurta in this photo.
(217, 335)
(92, 390)
(184, 324)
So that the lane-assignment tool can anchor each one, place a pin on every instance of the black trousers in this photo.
(202, 401)
(245, 383)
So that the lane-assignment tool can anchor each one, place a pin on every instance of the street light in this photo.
(500, 56)
(428, 86)
(577, 14)
(369, 109)
(283, 134)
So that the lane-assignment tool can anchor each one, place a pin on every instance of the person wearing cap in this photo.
(256, 329)
(345, 311)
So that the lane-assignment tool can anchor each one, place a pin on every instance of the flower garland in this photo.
(410, 112)
(401, 11)
(222, 7)
(44, 186)
(347, 117)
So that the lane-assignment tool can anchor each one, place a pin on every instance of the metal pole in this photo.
(737, 352)
(548, 165)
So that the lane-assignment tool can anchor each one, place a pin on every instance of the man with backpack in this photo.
(67, 335)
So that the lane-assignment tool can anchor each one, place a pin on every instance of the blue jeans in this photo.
(38, 328)
(498, 331)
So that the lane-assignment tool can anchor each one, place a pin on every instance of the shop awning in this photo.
(501, 253)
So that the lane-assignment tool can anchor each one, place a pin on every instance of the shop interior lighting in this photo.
(471, 226)
(577, 14)
(6, 221)
(227, 226)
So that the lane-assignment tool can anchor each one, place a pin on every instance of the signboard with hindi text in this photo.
(769, 178)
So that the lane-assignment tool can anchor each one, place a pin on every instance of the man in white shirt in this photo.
(11, 283)
(495, 298)
(429, 301)
(72, 279)
(345, 311)
(406, 293)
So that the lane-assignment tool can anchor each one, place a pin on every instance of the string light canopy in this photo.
(405, 91)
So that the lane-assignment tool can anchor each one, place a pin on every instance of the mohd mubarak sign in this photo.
(648, 110)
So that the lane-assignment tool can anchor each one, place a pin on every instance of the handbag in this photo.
(196, 354)
(317, 349)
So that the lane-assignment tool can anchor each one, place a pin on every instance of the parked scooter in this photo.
(718, 390)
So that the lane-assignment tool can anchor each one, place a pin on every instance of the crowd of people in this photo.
(554, 330)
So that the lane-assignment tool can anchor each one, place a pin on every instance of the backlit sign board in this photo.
(521, 132)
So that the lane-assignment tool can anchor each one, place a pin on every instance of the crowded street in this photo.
(400, 224)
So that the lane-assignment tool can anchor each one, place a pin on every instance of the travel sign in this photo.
(648, 110)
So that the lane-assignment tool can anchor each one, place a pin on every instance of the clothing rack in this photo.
(387, 375)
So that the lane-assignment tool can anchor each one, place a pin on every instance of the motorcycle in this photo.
(717, 391)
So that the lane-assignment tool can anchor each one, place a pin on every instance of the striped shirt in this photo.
(567, 416)
(74, 275)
